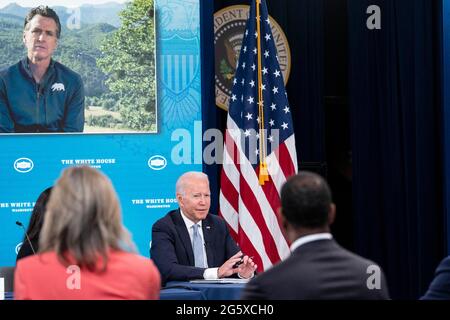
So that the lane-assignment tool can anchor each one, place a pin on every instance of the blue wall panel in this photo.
(145, 193)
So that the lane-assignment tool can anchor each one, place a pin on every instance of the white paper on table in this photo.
(2, 288)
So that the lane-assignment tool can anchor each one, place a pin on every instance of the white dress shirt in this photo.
(310, 238)
(210, 273)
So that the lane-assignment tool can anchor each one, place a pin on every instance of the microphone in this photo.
(26, 234)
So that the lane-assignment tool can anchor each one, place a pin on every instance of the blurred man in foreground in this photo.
(318, 268)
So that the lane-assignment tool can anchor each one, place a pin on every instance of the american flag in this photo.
(259, 151)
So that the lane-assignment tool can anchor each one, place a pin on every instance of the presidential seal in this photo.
(229, 28)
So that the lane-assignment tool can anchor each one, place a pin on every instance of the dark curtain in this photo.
(394, 76)
(445, 54)
(302, 22)
(210, 114)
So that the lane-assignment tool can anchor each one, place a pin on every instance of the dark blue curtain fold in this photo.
(303, 24)
(445, 58)
(210, 115)
(395, 100)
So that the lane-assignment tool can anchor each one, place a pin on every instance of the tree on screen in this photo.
(129, 60)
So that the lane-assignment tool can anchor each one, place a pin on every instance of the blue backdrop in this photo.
(142, 167)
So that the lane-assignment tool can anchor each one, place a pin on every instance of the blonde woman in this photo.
(84, 251)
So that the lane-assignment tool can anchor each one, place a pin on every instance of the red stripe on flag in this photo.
(274, 199)
(229, 191)
(248, 249)
(284, 158)
(271, 194)
(231, 147)
(233, 234)
(254, 209)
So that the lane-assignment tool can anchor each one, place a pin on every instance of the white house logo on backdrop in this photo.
(157, 162)
(23, 165)
(18, 247)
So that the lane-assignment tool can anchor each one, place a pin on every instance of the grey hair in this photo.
(184, 179)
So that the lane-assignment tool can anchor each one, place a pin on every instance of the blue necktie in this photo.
(197, 245)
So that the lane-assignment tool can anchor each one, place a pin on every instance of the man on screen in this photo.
(189, 243)
(38, 94)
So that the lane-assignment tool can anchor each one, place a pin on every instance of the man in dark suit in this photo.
(318, 267)
(440, 286)
(189, 243)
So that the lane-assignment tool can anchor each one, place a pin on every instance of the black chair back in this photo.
(8, 274)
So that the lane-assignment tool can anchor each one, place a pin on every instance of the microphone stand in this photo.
(26, 235)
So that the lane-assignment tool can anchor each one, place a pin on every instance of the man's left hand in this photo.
(247, 268)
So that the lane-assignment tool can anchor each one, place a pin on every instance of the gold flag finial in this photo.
(263, 173)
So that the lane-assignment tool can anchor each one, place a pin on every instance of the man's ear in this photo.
(331, 214)
(179, 199)
(283, 220)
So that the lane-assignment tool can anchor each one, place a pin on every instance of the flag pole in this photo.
(263, 172)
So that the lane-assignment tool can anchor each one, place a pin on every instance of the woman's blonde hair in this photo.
(83, 219)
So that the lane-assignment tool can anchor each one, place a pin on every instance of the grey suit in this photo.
(317, 270)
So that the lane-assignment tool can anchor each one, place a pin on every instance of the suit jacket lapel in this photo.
(207, 235)
(184, 235)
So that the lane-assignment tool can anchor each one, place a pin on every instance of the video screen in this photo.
(93, 72)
